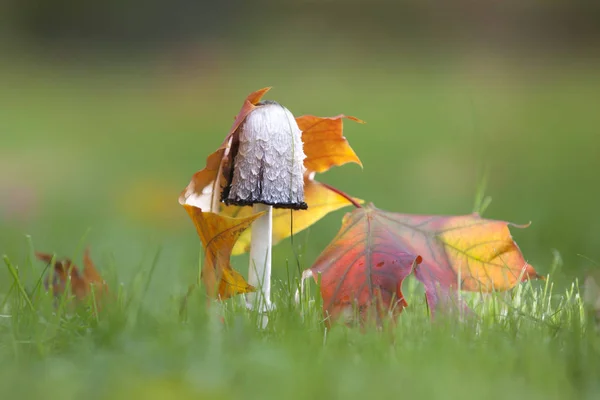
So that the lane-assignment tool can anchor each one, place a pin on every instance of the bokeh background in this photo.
(108, 108)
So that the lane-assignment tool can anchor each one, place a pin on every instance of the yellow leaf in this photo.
(218, 234)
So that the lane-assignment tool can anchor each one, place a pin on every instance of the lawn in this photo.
(97, 157)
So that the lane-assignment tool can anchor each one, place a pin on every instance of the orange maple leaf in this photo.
(66, 272)
(375, 250)
(324, 142)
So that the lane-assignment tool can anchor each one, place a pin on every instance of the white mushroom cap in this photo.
(269, 164)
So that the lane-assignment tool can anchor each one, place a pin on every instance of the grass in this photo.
(98, 157)
(534, 342)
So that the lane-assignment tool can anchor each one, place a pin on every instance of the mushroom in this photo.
(268, 171)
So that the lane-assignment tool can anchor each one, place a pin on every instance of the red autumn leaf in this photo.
(362, 268)
(81, 282)
(375, 250)
(466, 252)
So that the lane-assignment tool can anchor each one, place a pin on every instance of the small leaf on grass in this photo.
(81, 282)
(218, 235)
(466, 251)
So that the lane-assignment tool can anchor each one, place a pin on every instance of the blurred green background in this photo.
(106, 111)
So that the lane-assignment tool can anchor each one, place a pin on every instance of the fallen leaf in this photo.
(218, 234)
(375, 250)
(81, 282)
(463, 252)
(362, 269)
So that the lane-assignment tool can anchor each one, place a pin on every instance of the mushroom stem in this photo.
(259, 272)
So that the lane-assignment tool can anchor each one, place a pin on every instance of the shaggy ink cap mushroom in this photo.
(268, 167)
